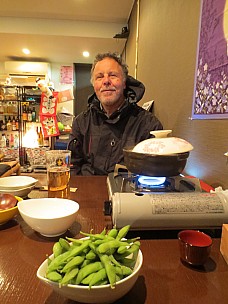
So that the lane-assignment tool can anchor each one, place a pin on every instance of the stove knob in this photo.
(107, 208)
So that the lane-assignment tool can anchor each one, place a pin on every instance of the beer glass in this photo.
(58, 173)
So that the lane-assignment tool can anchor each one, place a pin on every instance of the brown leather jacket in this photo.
(97, 141)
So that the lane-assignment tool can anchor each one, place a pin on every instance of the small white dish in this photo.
(21, 192)
(17, 182)
(49, 216)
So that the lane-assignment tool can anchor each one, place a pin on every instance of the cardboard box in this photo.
(224, 242)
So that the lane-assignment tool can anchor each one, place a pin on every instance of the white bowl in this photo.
(22, 192)
(97, 294)
(17, 182)
(48, 216)
(163, 146)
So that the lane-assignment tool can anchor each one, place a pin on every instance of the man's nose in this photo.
(106, 80)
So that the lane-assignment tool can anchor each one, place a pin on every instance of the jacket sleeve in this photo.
(75, 145)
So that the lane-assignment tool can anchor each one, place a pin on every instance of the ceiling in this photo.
(59, 31)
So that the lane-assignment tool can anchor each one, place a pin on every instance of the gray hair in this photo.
(116, 56)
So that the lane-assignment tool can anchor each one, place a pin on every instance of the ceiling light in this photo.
(85, 54)
(26, 51)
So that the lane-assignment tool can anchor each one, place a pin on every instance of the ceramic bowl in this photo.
(8, 214)
(195, 247)
(49, 216)
(17, 182)
(22, 192)
(163, 146)
(97, 294)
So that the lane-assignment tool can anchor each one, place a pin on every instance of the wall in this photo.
(168, 33)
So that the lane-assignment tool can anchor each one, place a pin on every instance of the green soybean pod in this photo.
(110, 269)
(54, 276)
(87, 279)
(91, 255)
(113, 232)
(57, 262)
(69, 276)
(75, 242)
(107, 247)
(98, 276)
(57, 249)
(79, 249)
(76, 261)
(134, 248)
(65, 245)
(86, 262)
(122, 249)
(86, 270)
(123, 232)
(103, 232)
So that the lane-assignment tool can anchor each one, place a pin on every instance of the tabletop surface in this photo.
(163, 277)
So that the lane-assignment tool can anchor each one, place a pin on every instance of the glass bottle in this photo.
(34, 114)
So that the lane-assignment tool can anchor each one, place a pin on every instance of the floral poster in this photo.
(210, 99)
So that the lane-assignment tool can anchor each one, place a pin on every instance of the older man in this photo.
(113, 120)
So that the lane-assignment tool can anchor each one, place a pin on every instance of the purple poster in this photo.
(210, 99)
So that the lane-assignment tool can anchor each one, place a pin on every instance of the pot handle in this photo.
(119, 167)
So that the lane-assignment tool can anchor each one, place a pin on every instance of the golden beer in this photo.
(58, 178)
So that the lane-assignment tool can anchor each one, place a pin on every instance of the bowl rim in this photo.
(32, 182)
(49, 199)
(81, 287)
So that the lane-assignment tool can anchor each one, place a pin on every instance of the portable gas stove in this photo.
(148, 203)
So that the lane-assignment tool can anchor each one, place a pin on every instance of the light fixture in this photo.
(85, 54)
(26, 51)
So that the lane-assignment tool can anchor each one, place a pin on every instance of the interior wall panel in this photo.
(168, 35)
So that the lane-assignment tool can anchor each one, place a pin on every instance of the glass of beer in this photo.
(58, 173)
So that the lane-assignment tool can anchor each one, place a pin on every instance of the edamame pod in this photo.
(69, 276)
(110, 269)
(98, 276)
(57, 249)
(86, 270)
(65, 245)
(54, 276)
(73, 263)
(123, 232)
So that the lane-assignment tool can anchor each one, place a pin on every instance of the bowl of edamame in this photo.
(100, 268)
(50, 217)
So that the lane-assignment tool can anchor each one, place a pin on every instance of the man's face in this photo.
(109, 83)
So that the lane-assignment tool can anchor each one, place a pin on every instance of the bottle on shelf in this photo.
(17, 123)
(9, 126)
(24, 113)
(46, 141)
(3, 141)
(14, 124)
(11, 140)
(7, 141)
(3, 126)
(29, 117)
(34, 114)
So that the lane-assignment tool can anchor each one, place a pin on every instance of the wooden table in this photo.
(163, 278)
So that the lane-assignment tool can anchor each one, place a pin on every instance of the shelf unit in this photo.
(19, 97)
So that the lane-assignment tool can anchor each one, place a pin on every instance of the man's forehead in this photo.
(107, 65)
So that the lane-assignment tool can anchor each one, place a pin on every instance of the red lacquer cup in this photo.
(195, 247)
